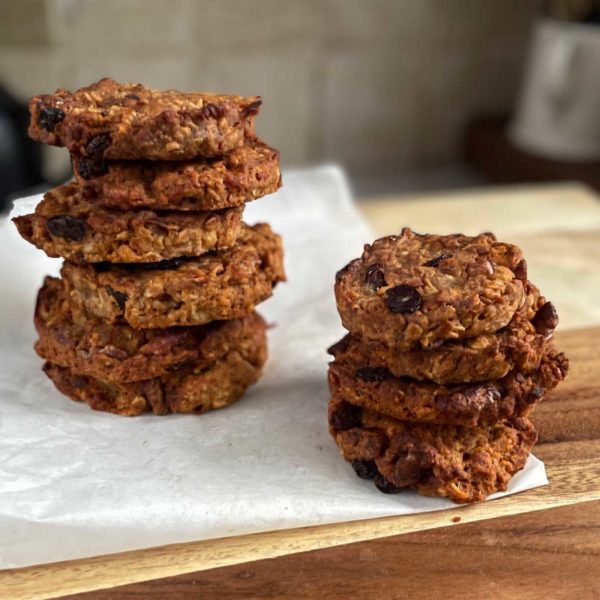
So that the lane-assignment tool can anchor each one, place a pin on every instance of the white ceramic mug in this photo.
(558, 114)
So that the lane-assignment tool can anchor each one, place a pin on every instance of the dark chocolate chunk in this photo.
(97, 145)
(546, 319)
(91, 167)
(49, 118)
(413, 464)
(68, 227)
(383, 485)
(120, 298)
(434, 262)
(520, 270)
(403, 299)
(345, 416)
(373, 374)
(365, 469)
(375, 277)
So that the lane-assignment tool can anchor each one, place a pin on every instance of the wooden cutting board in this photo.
(569, 425)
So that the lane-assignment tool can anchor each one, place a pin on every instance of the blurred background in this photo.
(405, 94)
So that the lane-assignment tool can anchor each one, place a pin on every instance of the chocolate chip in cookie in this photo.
(49, 118)
(383, 485)
(520, 270)
(375, 277)
(97, 145)
(365, 469)
(546, 319)
(67, 227)
(403, 299)
(345, 416)
(87, 167)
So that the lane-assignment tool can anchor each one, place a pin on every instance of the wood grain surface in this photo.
(569, 423)
(552, 554)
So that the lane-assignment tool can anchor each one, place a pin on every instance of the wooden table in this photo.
(544, 543)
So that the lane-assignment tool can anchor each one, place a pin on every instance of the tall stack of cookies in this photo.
(155, 307)
(449, 351)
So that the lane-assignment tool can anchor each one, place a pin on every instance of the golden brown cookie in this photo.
(244, 174)
(193, 387)
(464, 464)
(66, 225)
(472, 404)
(109, 120)
(518, 346)
(216, 286)
(120, 354)
(412, 290)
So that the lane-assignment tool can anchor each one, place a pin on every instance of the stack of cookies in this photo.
(449, 351)
(155, 307)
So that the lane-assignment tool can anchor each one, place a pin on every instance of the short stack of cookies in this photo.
(449, 351)
(155, 307)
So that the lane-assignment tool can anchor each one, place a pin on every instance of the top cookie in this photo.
(413, 290)
(112, 120)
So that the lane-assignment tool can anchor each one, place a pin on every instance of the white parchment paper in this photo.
(76, 483)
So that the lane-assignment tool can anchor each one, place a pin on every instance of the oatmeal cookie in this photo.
(474, 404)
(66, 225)
(120, 354)
(244, 174)
(222, 285)
(488, 356)
(464, 464)
(189, 388)
(111, 120)
(412, 290)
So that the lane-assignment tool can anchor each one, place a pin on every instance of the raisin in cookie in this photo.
(488, 356)
(222, 285)
(464, 464)
(482, 403)
(412, 290)
(120, 354)
(244, 174)
(111, 120)
(189, 388)
(66, 225)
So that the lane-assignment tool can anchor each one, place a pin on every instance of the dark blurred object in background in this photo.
(489, 150)
(20, 158)
(584, 11)
(554, 131)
